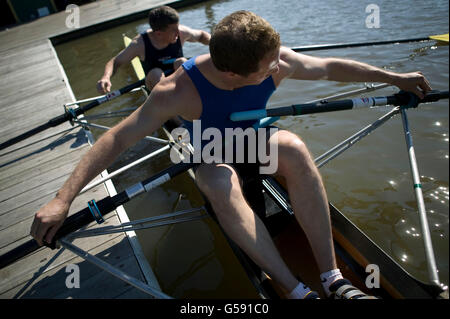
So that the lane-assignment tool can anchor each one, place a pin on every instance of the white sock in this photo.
(328, 278)
(299, 292)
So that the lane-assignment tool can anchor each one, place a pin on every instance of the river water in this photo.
(371, 183)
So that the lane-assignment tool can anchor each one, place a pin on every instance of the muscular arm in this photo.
(123, 57)
(305, 67)
(193, 35)
(145, 120)
(158, 108)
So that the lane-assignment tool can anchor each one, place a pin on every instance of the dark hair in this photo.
(160, 18)
(240, 41)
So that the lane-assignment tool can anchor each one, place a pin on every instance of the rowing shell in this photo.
(354, 250)
(269, 200)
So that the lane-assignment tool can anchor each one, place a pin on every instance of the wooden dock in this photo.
(33, 89)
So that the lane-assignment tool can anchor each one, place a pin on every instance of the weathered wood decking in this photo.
(33, 89)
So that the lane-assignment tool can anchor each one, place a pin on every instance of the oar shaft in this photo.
(68, 116)
(266, 121)
(51, 123)
(429, 251)
(354, 44)
(327, 106)
(108, 97)
(124, 168)
(72, 223)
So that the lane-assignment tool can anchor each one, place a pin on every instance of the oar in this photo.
(429, 252)
(440, 37)
(399, 99)
(71, 115)
(97, 209)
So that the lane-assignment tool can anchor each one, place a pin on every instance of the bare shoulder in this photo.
(137, 41)
(286, 65)
(300, 66)
(136, 47)
(185, 30)
(290, 58)
(177, 95)
(189, 34)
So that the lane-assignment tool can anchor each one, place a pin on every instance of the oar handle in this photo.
(72, 223)
(434, 96)
(105, 206)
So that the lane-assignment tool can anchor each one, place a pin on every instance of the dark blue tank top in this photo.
(218, 104)
(155, 58)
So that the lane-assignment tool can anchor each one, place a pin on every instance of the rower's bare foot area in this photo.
(343, 289)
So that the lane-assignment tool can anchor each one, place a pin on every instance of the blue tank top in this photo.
(218, 104)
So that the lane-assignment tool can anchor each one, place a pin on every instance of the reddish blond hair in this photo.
(240, 41)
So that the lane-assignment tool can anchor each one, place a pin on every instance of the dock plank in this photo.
(42, 149)
(33, 89)
(50, 283)
(45, 259)
(20, 218)
(29, 177)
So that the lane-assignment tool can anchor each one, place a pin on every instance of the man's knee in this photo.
(217, 181)
(153, 77)
(292, 153)
(178, 62)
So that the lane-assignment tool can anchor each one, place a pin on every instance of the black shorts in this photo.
(248, 169)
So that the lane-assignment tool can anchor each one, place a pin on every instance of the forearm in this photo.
(51, 216)
(97, 159)
(110, 68)
(143, 121)
(353, 71)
